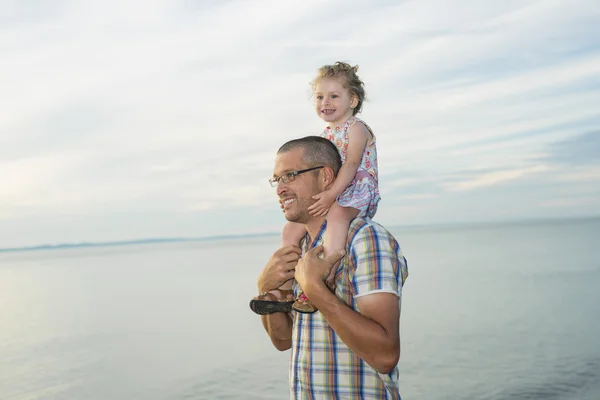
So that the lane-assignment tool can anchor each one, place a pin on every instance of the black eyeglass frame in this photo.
(290, 176)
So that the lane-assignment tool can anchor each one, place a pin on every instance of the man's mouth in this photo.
(287, 202)
(328, 111)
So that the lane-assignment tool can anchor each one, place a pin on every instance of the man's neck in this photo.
(313, 227)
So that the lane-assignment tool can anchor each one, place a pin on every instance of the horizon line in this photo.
(83, 244)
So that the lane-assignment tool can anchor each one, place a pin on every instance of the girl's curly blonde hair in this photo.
(348, 78)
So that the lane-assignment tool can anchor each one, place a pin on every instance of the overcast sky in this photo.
(126, 119)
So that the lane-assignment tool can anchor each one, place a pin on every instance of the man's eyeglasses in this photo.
(290, 176)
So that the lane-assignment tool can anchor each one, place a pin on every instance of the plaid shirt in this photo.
(322, 366)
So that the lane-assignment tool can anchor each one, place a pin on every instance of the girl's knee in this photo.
(292, 233)
(287, 229)
(338, 212)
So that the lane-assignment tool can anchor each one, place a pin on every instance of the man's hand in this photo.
(324, 201)
(312, 270)
(279, 269)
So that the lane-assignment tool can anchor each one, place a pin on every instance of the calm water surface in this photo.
(489, 312)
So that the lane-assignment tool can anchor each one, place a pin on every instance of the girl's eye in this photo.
(319, 97)
(334, 96)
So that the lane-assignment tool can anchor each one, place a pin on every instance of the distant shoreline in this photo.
(62, 246)
(456, 225)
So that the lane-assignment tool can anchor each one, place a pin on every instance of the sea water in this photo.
(505, 311)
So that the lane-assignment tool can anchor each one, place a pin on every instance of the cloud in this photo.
(583, 149)
(572, 202)
(578, 174)
(493, 178)
(176, 112)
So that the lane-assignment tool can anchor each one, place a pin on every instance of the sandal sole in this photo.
(263, 307)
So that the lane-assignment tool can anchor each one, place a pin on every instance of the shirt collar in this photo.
(318, 237)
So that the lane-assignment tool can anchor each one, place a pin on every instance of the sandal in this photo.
(303, 305)
(272, 302)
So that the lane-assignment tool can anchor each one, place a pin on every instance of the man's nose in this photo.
(281, 189)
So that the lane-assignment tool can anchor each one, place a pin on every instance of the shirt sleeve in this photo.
(379, 263)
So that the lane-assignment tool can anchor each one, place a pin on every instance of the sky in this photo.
(123, 120)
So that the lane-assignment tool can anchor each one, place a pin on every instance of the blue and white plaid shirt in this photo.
(322, 366)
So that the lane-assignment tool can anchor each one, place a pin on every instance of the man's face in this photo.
(296, 196)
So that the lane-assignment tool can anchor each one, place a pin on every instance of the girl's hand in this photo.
(321, 207)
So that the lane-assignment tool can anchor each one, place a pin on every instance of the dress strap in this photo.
(351, 121)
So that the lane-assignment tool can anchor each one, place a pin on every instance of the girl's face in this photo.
(333, 104)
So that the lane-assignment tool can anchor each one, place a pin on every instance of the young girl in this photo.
(339, 95)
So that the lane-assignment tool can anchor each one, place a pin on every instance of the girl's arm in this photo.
(358, 137)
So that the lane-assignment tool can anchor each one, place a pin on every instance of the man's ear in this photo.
(328, 177)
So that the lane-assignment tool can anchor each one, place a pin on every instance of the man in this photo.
(349, 348)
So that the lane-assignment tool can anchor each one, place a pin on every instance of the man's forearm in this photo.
(368, 339)
(279, 328)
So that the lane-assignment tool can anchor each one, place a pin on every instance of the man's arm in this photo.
(278, 270)
(279, 329)
(373, 334)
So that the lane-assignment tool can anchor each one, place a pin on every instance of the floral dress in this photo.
(363, 192)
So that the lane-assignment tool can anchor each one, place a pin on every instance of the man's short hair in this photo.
(317, 151)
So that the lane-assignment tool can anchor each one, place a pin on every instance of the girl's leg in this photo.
(336, 236)
(292, 234)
